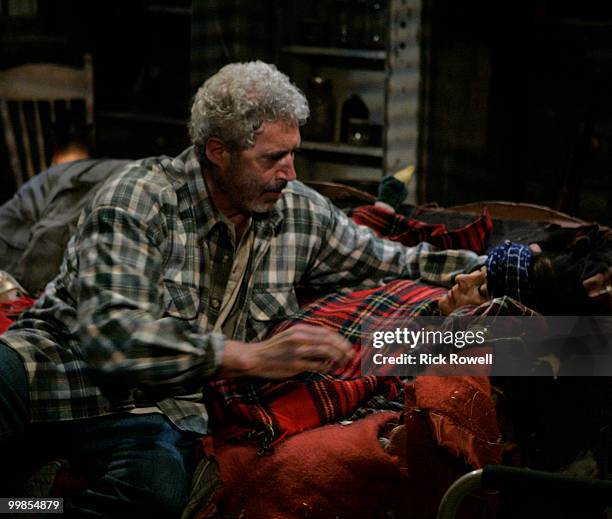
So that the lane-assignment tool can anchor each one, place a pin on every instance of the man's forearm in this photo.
(296, 350)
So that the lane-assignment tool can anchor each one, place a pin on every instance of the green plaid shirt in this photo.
(126, 322)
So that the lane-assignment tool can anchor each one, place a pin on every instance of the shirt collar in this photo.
(185, 173)
(270, 220)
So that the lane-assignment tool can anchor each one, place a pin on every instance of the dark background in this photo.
(515, 96)
(518, 104)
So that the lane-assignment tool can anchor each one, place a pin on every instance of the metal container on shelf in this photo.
(320, 125)
(359, 132)
(352, 108)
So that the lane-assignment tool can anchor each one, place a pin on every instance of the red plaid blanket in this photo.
(266, 412)
(396, 227)
(9, 311)
(269, 411)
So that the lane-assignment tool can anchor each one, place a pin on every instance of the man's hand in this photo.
(298, 349)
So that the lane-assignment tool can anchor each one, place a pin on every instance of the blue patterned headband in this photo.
(508, 272)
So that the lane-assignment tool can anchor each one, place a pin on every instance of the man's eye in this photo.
(277, 156)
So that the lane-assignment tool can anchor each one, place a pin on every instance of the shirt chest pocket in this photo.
(273, 305)
(181, 301)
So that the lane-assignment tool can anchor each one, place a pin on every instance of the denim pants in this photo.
(136, 465)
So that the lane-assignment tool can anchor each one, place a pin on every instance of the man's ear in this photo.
(217, 151)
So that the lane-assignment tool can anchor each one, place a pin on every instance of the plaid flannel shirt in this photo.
(126, 322)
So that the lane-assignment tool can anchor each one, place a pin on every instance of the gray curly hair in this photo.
(234, 103)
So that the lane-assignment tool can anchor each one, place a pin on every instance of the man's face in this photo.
(253, 179)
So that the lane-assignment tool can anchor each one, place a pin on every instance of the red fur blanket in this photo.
(342, 471)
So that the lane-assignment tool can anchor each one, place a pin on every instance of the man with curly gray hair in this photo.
(230, 111)
(234, 103)
(178, 270)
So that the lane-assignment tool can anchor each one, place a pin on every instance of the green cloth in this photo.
(392, 192)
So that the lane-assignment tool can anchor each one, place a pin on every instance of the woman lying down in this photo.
(516, 279)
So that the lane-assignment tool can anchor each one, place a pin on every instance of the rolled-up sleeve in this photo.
(351, 253)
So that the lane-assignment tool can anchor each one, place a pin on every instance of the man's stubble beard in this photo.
(243, 189)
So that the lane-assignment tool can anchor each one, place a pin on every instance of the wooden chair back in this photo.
(519, 211)
(33, 97)
(341, 194)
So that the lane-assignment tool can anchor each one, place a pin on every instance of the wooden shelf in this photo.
(345, 154)
(345, 149)
(336, 52)
(385, 74)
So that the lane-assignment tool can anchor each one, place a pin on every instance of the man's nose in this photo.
(287, 168)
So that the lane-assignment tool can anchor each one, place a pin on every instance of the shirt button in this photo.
(225, 258)
(215, 303)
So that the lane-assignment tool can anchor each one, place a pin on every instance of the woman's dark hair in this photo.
(557, 280)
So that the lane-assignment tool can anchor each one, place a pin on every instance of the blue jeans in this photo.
(137, 465)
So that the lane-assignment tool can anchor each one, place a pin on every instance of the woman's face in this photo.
(469, 289)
